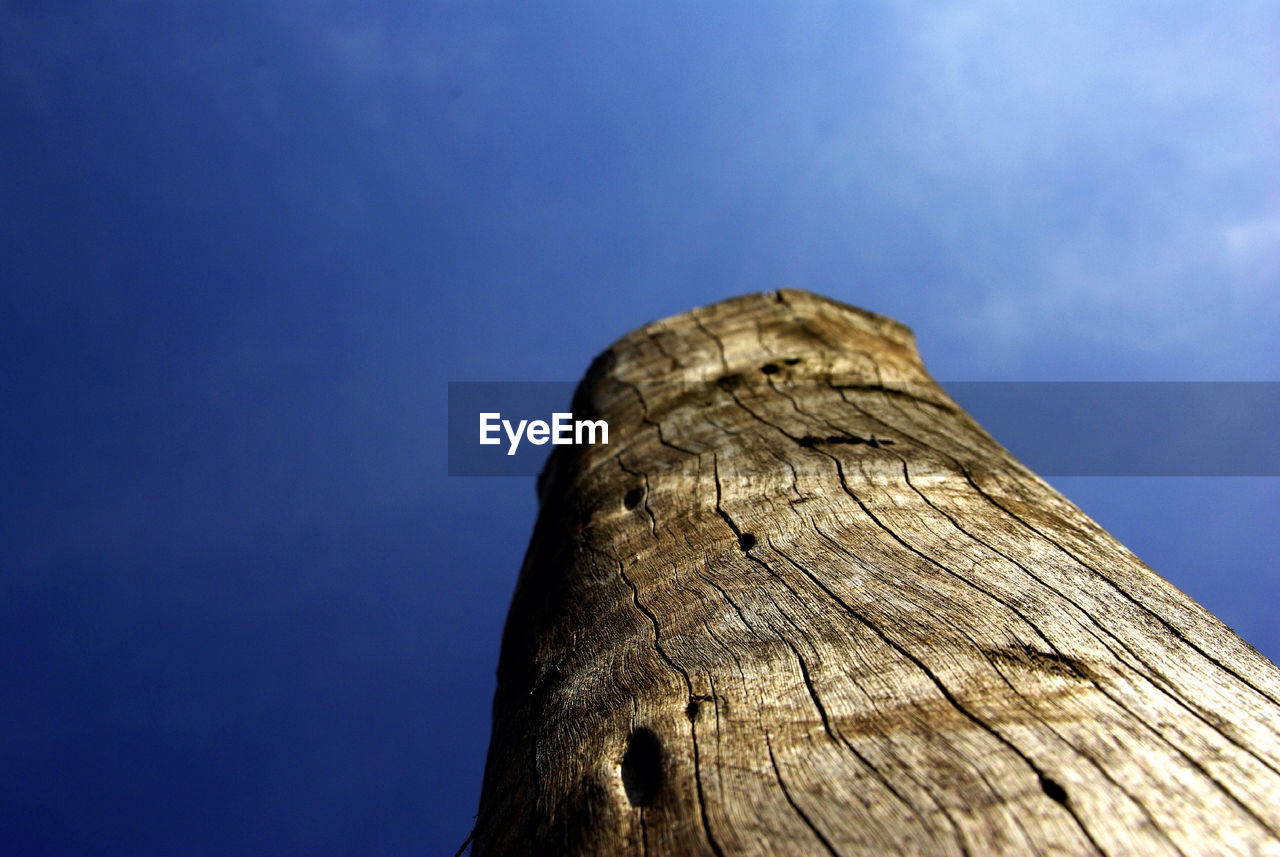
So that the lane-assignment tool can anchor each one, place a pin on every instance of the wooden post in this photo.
(803, 604)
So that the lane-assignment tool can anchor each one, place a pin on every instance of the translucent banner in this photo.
(1057, 428)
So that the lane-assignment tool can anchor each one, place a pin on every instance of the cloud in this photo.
(1021, 169)
(1254, 243)
(1124, 156)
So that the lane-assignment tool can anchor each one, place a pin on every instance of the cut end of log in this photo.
(814, 326)
(778, 336)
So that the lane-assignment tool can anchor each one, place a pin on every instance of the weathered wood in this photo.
(803, 604)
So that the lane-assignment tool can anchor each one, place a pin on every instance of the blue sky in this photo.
(245, 246)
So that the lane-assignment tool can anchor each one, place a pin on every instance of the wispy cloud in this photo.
(1132, 154)
(1255, 244)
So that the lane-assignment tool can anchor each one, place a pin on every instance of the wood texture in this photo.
(803, 604)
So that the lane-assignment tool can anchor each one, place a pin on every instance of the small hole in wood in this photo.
(691, 710)
(791, 361)
(642, 767)
(746, 541)
(633, 498)
(769, 368)
(729, 382)
(1053, 789)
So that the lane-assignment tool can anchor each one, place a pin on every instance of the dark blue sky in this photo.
(245, 245)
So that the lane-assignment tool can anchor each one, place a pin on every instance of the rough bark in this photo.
(803, 604)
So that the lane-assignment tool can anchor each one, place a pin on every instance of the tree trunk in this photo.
(802, 603)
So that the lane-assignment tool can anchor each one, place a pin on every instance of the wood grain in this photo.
(803, 604)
